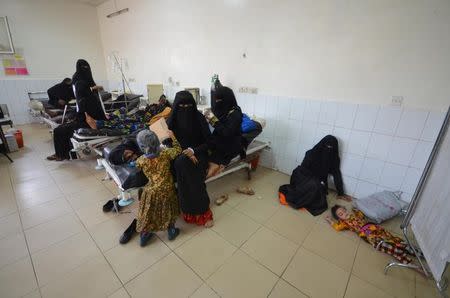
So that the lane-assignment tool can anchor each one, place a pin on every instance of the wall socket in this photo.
(250, 90)
(397, 100)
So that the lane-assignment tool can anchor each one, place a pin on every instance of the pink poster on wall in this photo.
(15, 66)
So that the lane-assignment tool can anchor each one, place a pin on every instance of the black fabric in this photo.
(62, 91)
(322, 160)
(309, 181)
(87, 102)
(116, 155)
(191, 130)
(223, 102)
(192, 192)
(305, 191)
(188, 124)
(83, 73)
(61, 138)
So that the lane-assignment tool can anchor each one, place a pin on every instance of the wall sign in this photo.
(6, 44)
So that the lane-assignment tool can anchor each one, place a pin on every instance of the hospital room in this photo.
(225, 148)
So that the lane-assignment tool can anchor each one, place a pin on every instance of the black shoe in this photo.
(129, 232)
(108, 206)
(173, 232)
(145, 237)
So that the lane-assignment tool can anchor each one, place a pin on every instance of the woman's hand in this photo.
(345, 198)
(190, 153)
(97, 88)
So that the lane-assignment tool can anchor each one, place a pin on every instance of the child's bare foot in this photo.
(246, 190)
(209, 224)
(222, 199)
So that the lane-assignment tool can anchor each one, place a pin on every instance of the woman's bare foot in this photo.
(246, 190)
(209, 224)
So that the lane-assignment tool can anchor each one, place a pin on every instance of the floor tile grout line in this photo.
(351, 269)
(25, 238)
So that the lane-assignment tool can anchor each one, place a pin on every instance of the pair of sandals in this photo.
(243, 190)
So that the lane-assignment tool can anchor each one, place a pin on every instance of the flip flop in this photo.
(222, 199)
(245, 190)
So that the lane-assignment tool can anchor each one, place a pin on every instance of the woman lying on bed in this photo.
(88, 107)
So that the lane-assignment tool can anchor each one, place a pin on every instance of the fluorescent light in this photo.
(119, 12)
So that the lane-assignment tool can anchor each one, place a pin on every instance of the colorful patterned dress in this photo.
(376, 235)
(158, 205)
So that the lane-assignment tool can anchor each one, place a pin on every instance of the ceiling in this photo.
(91, 2)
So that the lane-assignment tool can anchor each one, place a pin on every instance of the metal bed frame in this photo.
(422, 267)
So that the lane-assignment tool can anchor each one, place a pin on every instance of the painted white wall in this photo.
(348, 50)
(52, 35)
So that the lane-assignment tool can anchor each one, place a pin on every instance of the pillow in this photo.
(380, 206)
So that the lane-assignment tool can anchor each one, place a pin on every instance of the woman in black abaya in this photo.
(88, 107)
(226, 141)
(60, 94)
(309, 181)
(192, 132)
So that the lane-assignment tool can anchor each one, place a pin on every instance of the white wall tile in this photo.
(349, 185)
(271, 107)
(365, 118)
(358, 142)
(301, 151)
(282, 128)
(379, 146)
(421, 154)
(402, 150)
(393, 176)
(432, 126)
(387, 120)
(260, 106)
(411, 180)
(297, 109)
(291, 150)
(294, 128)
(343, 136)
(328, 112)
(412, 123)
(267, 159)
(308, 133)
(312, 111)
(371, 170)
(323, 130)
(284, 108)
(364, 189)
(351, 164)
(345, 115)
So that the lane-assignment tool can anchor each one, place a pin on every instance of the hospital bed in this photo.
(129, 179)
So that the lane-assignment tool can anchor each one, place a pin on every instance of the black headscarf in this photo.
(323, 158)
(187, 123)
(62, 91)
(83, 73)
(223, 102)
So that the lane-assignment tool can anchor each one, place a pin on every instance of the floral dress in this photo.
(158, 205)
(376, 235)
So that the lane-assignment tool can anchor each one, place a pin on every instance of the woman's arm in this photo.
(337, 177)
(176, 148)
(230, 126)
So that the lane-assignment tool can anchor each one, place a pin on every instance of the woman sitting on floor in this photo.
(226, 141)
(309, 181)
(88, 107)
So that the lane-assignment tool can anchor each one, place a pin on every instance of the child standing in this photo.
(374, 234)
(158, 205)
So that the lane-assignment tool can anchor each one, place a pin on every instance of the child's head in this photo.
(148, 142)
(339, 212)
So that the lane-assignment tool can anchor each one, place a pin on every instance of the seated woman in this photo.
(88, 107)
(192, 131)
(60, 94)
(226, 141)
(309, 181)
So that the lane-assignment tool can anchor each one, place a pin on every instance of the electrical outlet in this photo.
(250, 90)
(397, 100)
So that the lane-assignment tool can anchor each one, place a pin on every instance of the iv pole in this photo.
(124, 80)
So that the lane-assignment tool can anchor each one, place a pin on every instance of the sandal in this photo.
(222, 199)
(245, 190)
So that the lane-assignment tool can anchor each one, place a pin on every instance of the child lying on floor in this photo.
(374, 234)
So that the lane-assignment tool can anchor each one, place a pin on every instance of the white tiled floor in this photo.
(55, 241)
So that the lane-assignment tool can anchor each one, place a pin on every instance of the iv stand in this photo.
(124, 80)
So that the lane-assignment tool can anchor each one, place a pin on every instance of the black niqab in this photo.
(62, 91)
(83, 73)
(323, 158)
(223, 102)
(187, 123)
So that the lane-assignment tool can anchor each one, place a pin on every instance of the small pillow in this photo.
(380, 206)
